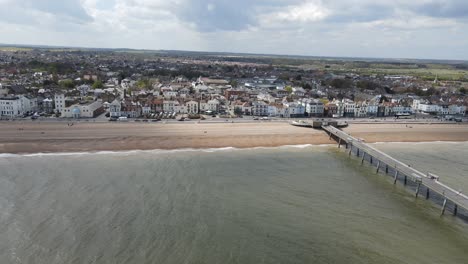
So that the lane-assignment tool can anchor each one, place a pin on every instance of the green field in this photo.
(430, 71)
(13, 49)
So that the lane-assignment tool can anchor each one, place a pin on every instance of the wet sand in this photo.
(28, 137)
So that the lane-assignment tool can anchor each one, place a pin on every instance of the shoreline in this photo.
(206, 150)
(162, 151)
(17, 138)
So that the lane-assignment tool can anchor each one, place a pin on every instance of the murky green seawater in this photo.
(448, 160)
(284, 205)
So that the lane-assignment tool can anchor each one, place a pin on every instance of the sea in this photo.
(291, 204)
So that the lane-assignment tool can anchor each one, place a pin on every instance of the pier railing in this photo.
(423, 184)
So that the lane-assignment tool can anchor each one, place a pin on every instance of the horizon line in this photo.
(44, 46)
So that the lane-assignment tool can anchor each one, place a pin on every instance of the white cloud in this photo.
(308, 11)
(386, 28)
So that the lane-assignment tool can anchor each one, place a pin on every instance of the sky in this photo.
(425, 29)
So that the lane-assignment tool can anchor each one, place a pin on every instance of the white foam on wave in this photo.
(158, 151)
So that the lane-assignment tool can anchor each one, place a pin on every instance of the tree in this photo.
(367, 85)
(284, 77)
(463, 90)
(144, 84)
(341, 83)
(288, 89)
(67, 83)
(306, 86)
(234, 83)
(238, 111)
(97, 84)
(48, 82)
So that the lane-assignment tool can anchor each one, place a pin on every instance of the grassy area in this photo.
(425, 71)
(13, 49)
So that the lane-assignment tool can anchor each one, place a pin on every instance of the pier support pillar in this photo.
(357, 154)
(386, 169)
(406, 179)
(395, 178)
(427, 193)
(363, 156)
(339, 143)
(378, 167)
(444, 206)
(455, 210)
(346, 145)
(350, 151)
(417, 189)
(371, 160)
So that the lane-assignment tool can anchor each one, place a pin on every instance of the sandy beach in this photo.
(28, 137)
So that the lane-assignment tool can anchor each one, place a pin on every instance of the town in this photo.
(68, 84)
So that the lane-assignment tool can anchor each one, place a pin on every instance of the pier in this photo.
(424, 185)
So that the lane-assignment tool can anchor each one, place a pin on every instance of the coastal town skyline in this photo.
(389, 29)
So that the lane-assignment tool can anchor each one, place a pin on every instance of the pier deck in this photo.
(386, 162)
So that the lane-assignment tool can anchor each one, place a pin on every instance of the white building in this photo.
(416, 103)
(313, 107)
(59, 100)
(444, 110)
(181, 109)
(170, 106)
(293, 109)
(86, 110)
(192, 107)
(273, 109)
(259, 108)
(266, 97)
(429, 108)
(28, 103)
(170, 94)
(372, 110)
(17, 105)
(146, 110)
(115, 108)
(11, 106)
(211, 105)
(349, 108)
(84, 89)
(340, 108)
(457, 109)
(298, 91)
(360, 110)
